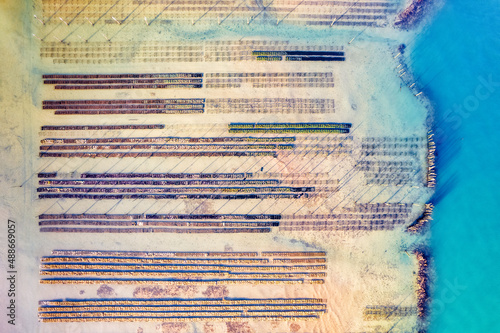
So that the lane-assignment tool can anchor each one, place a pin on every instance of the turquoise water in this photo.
(455, 58)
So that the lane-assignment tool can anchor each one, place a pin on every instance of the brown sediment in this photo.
(294, 327)
(208, 328)
(105, 291)
(238, 327)
(431, 160)
(423, 283)
(423, 220)
(412, 14)
(173, 327)
(216, 291)
(202, 207)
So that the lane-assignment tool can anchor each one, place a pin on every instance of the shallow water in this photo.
(456, 59)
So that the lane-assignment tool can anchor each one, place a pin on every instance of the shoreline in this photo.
(413, 14)
(423, 286)
(422, 223)
(410, 19)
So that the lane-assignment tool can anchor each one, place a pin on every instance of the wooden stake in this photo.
(39, 20)
(63, 21)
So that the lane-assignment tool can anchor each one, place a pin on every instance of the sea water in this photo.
(457, 61)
